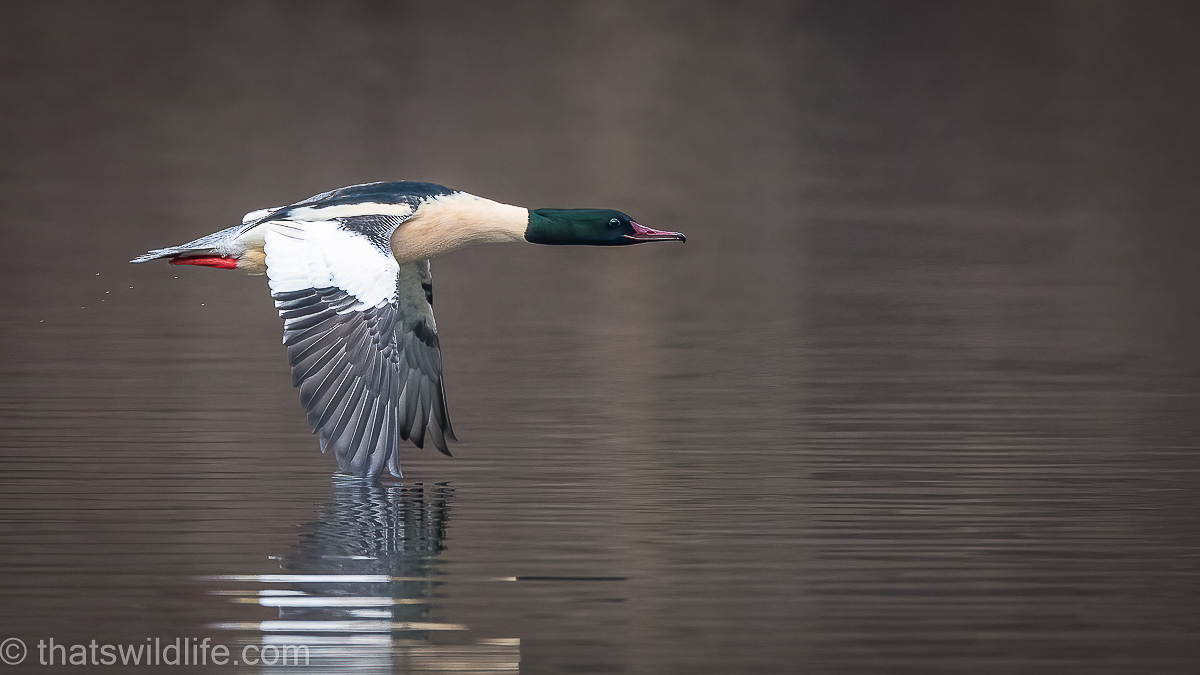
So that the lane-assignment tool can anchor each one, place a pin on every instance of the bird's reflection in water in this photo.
(355, 592)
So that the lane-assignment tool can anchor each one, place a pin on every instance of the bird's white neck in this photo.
(450, 222)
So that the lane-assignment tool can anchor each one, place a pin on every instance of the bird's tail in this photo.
(213, 243)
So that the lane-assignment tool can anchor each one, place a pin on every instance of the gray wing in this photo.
(368, 375)
(424, 397)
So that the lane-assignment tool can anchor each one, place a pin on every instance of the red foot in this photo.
(222, 262)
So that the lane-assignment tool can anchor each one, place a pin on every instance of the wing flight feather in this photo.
(361, 341)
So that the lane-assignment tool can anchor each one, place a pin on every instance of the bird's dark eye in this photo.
(614, 222)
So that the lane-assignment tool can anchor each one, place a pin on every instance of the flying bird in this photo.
(349, 272)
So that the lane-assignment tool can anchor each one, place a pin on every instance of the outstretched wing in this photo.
(361, 339)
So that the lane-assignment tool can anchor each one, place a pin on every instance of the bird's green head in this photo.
(590, 227)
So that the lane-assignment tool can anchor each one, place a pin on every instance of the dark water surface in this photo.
(920, 394)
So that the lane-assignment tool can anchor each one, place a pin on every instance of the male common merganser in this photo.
(349, 272)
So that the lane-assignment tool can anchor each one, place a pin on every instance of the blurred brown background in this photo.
(918, 395)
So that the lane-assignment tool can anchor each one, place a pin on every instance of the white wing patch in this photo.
(322, 255)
